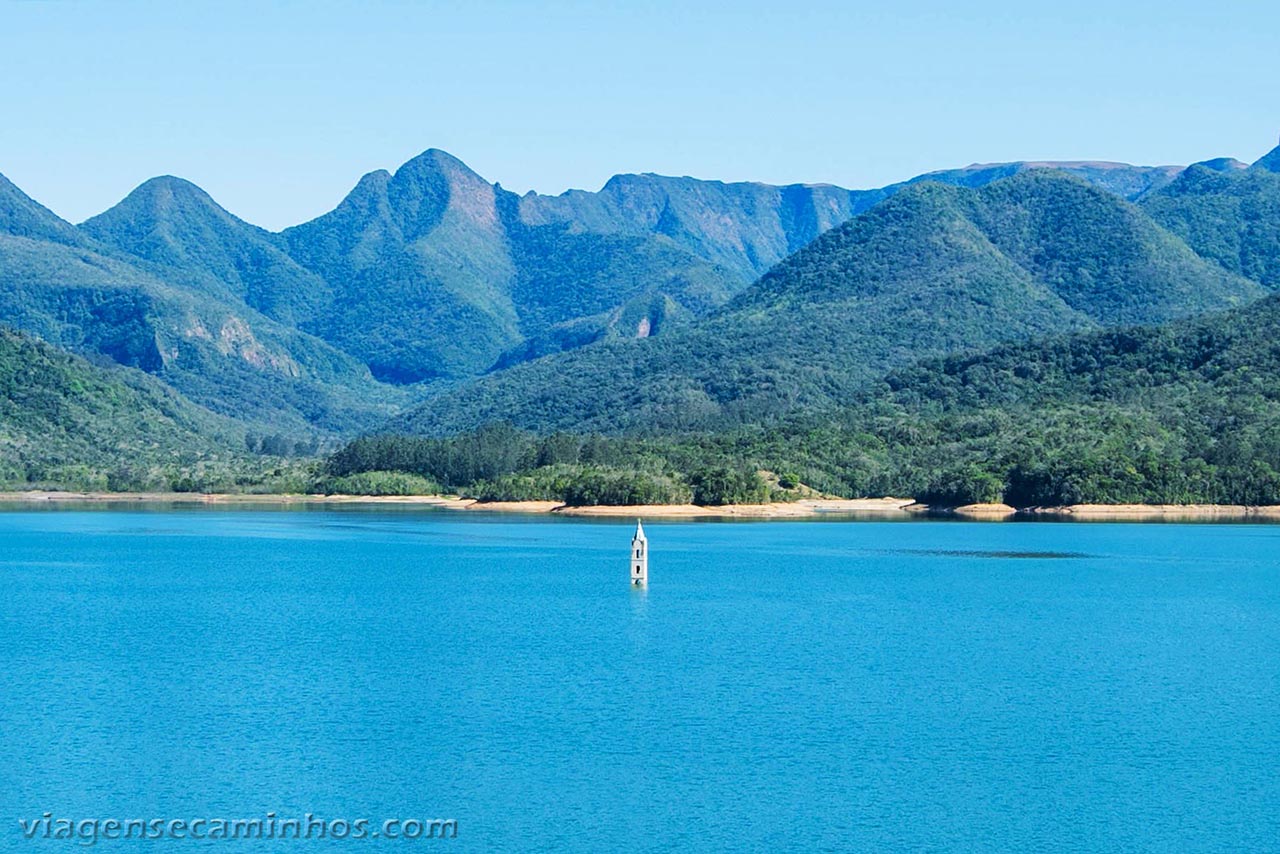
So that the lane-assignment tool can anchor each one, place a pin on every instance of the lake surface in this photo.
(790, 686)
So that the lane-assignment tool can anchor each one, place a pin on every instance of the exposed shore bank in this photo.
(788, 510)
(37, 496)
(782, 510)
(805, 508)
(1224, 512)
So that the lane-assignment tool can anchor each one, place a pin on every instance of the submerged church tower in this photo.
(639, 557)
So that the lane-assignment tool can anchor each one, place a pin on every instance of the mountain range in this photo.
(657, 303)
(931, 270)
(177, 321)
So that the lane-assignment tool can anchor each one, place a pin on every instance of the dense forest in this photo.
(1187, 412)
(67, 423)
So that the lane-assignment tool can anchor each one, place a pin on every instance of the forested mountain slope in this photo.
(183, 324)
(434, 273)
(934, 269)
(64, 419)
(1228, 213)
(176, 224)
(1179, 413)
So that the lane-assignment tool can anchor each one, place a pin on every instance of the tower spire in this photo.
(639, 557)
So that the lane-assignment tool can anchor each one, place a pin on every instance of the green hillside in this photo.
(64, 421)
(1269, 162)
(932, 270)
(436, 274)
(22, 216)
(629, 312)
(1186, 412)
(572, 289)
(432, 275)
(220, 353)
(1122, 179)
(1231, 215)
(1102, 257)
(749, 227)
(1181, 413)
(420, 269)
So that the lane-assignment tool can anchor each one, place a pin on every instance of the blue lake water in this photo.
(790, 686)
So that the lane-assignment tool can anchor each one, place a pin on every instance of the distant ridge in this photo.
(23, 216)
(1269, 161)
(432, 273)
(1127, 181)
(1222, 164)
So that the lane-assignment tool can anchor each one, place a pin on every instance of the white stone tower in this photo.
(639, 557)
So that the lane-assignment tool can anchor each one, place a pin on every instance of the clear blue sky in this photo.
(277, 108)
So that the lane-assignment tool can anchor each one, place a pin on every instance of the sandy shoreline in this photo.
(1156, 511)
(228, 498)
(786, 510)
(807, 508)
(798, 509)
